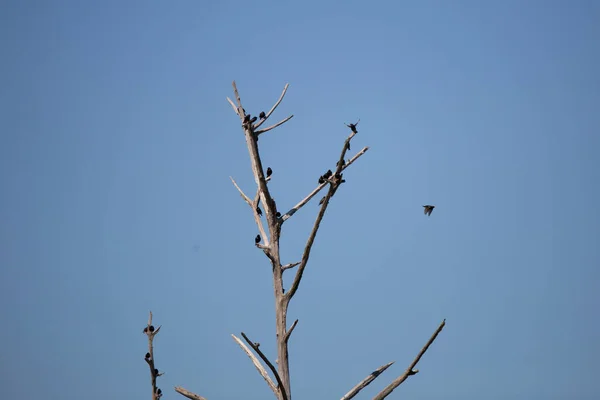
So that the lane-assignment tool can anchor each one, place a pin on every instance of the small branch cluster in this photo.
(149, 357)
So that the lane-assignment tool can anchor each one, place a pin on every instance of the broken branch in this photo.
(261, 370)
(289, 332)
(410, 370)
(365, 382)
(288, 266)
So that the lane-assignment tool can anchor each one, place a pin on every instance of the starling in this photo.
(155, 371)
(343, 162)
(151, 328)
(428, 209)
(348, 146)
(259, 211)
(253, 120)
(147, 356)
(262, 115)
(321, 180)
(158, 391)
(146, 330)
(269, 172)
(257, 239)
(353, 126)
(247, 118)
(278, 215)
(327, 174)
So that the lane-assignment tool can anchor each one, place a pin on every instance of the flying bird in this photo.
(257, 239)
(262, 115)
(353, 126)
(269, 172)
(428, 209)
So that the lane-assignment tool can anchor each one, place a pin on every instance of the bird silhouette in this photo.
(269, 172)
(257, 239)
(353, 126)
(428, 209)
(262, 115)
(259, 211)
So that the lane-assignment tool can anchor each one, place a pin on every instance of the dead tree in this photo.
(268, 241)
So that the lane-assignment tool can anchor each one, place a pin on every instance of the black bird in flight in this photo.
(259, 211)
(428, 209)
(269, 172)
(257, 239)
(353, 126)
(262, 115)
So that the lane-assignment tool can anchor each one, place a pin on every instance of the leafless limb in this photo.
(188, 394)
(411, 369)
(289, 331)
(332, 189)
(274, 107)
(256, 348)
(261, 370)
(151, 332)
(246, 198)
(233, 106)
(273, 126)
(288, 266)
(312, 194)
(365, 382)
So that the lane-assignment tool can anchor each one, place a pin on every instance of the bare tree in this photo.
(268, 241)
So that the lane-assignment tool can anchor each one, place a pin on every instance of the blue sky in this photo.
(116, 148)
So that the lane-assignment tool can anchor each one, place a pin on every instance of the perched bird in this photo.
(428, 209)
(247, 118)
(253, 119)
(262, 115)
(278, 215)
(151, 328)
(269, 172)
(147, 356)
(343, 162)
(257, 239)
(353, 126)
(327, 174)
(259, 211)
(348, 145)
(321, 180)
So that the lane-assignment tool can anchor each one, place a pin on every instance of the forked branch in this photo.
(255, 347)
(272, 126)
(261, 370)
(411, 368)
(258, 124)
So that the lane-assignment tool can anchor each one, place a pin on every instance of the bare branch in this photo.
(288, 266)
(256, 348)
(246, 198)
(313, 234)
(365, 382)
(411, 369)
(274, 107)
(151, 332)
(188, 394)
(233, 105)
(289, 332)
(258, 365)
(272, 126)
(312, 194)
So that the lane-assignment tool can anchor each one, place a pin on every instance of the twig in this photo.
(188, 394)
(151, 332)
(274, 107)
(312, 194)
(288, 266)
(256, 348)
(365, 382)
(261, 370)
(272, 126)
(410, 370)
(246, 198)
(233, 105)
(289, 331)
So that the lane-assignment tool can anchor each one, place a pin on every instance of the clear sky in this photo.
(116, 147)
